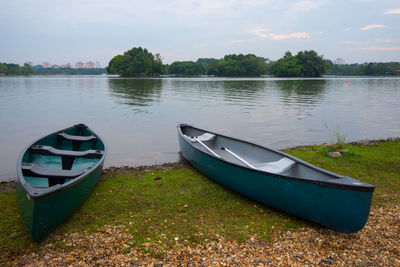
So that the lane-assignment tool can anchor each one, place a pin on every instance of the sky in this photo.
(63, 32)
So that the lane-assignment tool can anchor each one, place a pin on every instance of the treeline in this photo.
(230, 65)
(39, 70)
(371, 68)
(15, 69)
(139, 62)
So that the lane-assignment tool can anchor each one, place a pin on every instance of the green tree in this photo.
(15, 69)
(26, 70)
(238, 65)
(312, 65)
(136, 62)
(288, 66)
(186, 68)
(304, 64)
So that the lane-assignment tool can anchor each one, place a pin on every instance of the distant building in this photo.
(98, 65)
(79, 65)
(90, 65)
(30, 63)
(46, 65)
(68, 65)
(55, 66)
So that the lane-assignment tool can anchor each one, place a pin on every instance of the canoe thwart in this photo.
(206, 147)
(79, 138)
(33, 170)
(248, 164)
(51, 151)
(76, 139)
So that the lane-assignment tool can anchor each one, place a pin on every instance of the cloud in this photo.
(393, 11)
(383, 40)
(262, 33)
(351, 42)
(374, 26)
(304, 6)
(295, 35)
(236, 41)
(377, 48)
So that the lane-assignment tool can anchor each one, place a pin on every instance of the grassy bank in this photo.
(173, 203)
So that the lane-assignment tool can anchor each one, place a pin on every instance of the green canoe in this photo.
(55, 174)
(278, 179)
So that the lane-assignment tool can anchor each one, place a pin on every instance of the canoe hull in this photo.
(40, 216)
(340, 209)
(43, 209)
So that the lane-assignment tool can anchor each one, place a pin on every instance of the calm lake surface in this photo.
(137, 118)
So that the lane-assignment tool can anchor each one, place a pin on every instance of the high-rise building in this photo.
(90, 65)
(79, 65)
(68, 65)
(98, 65)
(46, 65)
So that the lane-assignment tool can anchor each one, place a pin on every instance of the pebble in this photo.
(375, 245)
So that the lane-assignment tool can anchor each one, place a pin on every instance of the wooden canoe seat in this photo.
(54, 176)
(51, 151)
(77, 138)
(277, 167)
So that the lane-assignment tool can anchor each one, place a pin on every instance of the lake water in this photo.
(137, 118)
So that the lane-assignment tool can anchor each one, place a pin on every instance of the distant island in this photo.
(139, 62)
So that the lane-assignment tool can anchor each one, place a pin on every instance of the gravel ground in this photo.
(377, 244)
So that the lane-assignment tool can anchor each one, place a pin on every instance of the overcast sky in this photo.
(69, 31)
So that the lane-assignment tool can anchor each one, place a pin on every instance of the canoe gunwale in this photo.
(364, 187)
(37, 193)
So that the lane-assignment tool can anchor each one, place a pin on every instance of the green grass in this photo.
(377, 163)
(187, 205)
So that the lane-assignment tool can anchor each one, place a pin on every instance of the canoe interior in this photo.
(55, 162)
(256, 154)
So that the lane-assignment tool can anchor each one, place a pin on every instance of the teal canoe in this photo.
(55, 174)
(278, 180)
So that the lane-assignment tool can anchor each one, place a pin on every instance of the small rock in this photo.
(329, 260)
(334, 154)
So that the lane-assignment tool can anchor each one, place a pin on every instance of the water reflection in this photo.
(302, 90)
(136, 92)
(301, 95)
(247, 93)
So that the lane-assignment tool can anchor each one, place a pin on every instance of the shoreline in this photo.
(365, 142)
